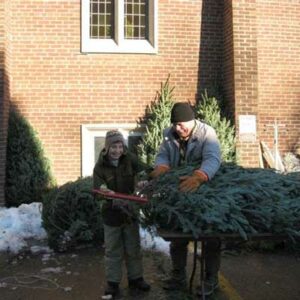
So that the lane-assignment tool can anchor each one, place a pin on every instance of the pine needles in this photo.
(237, 200)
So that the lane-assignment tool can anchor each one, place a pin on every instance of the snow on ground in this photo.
(25, 222)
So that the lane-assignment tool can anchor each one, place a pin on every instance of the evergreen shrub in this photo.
(28, 174)
(71, 216)
(209, 110)
(158, 118)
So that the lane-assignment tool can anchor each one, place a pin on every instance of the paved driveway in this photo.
(79, 275)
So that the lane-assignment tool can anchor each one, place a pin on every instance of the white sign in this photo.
(247, 128)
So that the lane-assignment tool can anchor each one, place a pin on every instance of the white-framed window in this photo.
(119, 26)
(93, 140)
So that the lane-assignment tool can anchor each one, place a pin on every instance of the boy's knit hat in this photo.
(182, 112)
(113, 136)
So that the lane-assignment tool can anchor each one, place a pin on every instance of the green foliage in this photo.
(158, 118)
(28, 174)
(238, 200)
(71, 215)
(210, 112)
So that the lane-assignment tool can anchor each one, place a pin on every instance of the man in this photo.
(190, 141)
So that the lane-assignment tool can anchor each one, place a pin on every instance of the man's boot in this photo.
(212, 266)
(175, 281)
(209, 287)
(177, 278)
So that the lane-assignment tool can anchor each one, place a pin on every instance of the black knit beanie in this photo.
(182, 112)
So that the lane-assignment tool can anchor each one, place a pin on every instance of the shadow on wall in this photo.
(4, 105)
(211, 47)
(28, 174)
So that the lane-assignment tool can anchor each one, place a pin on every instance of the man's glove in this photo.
(191, 183)
(159, 170)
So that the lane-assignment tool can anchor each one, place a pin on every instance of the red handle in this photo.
(121, 196)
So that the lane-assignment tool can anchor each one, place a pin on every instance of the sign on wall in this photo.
(247, 128)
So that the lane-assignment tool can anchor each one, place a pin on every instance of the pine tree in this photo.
(209, 111)
(28, 174)
(157, 119)
(71, 215)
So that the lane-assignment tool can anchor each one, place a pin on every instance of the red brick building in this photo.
(76, 68)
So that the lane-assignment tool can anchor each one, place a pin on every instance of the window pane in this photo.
(101, 31)
(133, 141)
(129, 21)
(129, 9)
(94, 7)
(99, 143)
(94, 31)
(95, 19)
(101, 13)
(102, 20)
(136, 19)
(136, 9)
(102, 7)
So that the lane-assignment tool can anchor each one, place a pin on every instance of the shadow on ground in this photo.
(79, 275)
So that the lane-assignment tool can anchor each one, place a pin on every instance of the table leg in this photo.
(194, 267)
(202, 270)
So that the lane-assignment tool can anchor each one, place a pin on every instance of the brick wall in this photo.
(254, 57)
(244, 14)
(278, 44)
(57, 88)
(228, 61)
(266, 71)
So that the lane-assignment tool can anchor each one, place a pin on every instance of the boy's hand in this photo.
(119, 204)
(104, 188)
(141, 184)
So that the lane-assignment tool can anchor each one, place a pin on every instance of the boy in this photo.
(116, 170)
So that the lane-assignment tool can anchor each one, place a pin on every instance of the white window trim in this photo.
(119, 44)
(88, 134)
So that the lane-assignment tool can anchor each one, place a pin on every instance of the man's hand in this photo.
(191, 183)
(159, 170)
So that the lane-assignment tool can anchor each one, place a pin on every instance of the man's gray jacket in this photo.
(203, 148)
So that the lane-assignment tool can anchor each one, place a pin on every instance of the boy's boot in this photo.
(111, 291)
(139, 284)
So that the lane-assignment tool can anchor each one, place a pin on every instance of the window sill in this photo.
(126, 46)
